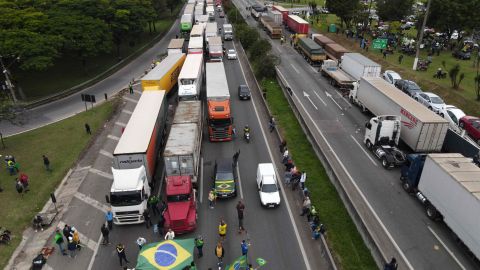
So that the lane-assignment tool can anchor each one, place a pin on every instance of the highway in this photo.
(424, 243)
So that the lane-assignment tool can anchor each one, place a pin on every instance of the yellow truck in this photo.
(164, 75)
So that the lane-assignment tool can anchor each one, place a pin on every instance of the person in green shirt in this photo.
(199, 245)
(153, 204)
(58, 239)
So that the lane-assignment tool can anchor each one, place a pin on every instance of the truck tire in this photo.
(369, 144)
(432, 212)
(462, 125)
(385, 163)
(406, 187)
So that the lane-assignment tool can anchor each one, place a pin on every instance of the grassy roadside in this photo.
(63, 143)
(343, 238)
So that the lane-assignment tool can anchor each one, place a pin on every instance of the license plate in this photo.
(271, 205)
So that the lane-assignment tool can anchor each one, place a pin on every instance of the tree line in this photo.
(38, 32)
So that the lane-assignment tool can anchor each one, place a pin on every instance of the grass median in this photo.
(343, 238)
(63, 143)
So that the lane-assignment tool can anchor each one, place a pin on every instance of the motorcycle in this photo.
(246, 136)
(5, 236)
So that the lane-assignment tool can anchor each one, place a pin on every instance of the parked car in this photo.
(221, 14)
(391, 76)
(231, 54)
(268, 186)
(471, 125)
(461, 54)
(453, 115)
(244, 92)
(408, 87)
(225, 178)
(432, 102)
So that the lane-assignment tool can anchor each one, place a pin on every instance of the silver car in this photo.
(231, 54)
(432, 101)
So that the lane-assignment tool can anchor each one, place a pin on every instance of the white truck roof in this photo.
(127, 179)
(418, 110)
(181, 140)
(137, 133)
(161, 69)
(186, 18)
(217, 85)
(190, 68)
(360, 58)
(195, 43)
(176, 43)
(188, 112)
(211, 28)
(197, 31)
(212, 41)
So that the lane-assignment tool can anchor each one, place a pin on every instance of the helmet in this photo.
(246, 126)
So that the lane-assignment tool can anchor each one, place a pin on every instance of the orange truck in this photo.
(220, 120)
(164, 75)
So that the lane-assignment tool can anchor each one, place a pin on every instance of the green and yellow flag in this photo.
(166, 255)
(239, 263)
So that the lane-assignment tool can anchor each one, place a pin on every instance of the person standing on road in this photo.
(66, 231)
(141, 242)
(147, 218)
(392, 265)
(121, 253)
(199, 245)
(46, 162)
(303, 178)
(130, 88)
(153, 204)
(222, 230)
(271, 124)
(240, 210)
(105, 233)
(160, 224)
(211, 198)
(58, 238)
(170, 235)
(219, 252)
(109, 218)
(235, 158)
(306, 206)
(72, 247)
(285, 156)
(244, 247)
(87, 129)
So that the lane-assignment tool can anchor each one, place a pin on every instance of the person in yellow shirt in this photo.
(222, 230)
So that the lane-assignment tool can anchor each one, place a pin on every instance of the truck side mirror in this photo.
(368, 125)
(107, 198)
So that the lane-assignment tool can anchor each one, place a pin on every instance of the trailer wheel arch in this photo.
(432, 212)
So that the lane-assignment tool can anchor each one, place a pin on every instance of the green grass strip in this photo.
(343, 238)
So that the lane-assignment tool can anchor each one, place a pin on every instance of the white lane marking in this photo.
(330, 96)
(354, 183)
(318, 96)
(365, 152)
(130, 99)
(239, 181)
(287, 203)
(120, 124)
(112, 137)
(201, 180)
(127, 111)
(305, 94)
(344, 99)
(106, 153)
(84, 241)
(92, 202)
(278, 49)
(103, 174)
(95, 251)
(446, 248)
(295, 68)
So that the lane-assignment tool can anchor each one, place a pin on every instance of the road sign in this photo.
(380, 43)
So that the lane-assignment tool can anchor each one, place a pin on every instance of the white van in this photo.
(268, 186)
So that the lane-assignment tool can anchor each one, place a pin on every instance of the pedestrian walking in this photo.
(199, 245)
(11, 167)
(105, 232)
(311, 213)
(384, 54)
(211, 198)
(76, 238)
(285, 156)
(72, 247)
(46, 163)
(244, 247)
(235, 158)
(66, 231)
(271, 124)
(141, 242)
(19, 187)
(87, 129)
(288, 178)
(121, 253)
(400, 58)
(282, 146)
(303, 178)
(58, 239)
(220, 253)
(109, 219)
(130, 88)
(306, 206)
(289, 166)
(392, 265)
(222, 230)
(147, 218)
(24, 180)
(16, 167)
(153, 204)
(240, 209)
(170, 235)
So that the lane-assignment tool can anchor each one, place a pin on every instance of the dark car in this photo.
(224, 178)
(243, 92)
(408, 87)
(471, 125)
(460, 54)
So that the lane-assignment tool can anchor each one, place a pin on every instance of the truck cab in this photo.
(411, 171)
(227, 32)
(268, 187)
(382, 134)
(128, 195)
(181, 212)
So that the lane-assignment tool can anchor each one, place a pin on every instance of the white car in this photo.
(391, 76)
(431, 101)
(268, 187)
(453, 115)
(231, 54)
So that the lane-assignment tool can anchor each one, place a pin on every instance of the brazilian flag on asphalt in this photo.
(166, 255)
(239, 263)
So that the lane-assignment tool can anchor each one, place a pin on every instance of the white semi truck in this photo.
(215, 49)
(227, 32)
(191, 77)
(195, 45)
(135, 156)
(211, 30)
(357, 66)
(422, 129)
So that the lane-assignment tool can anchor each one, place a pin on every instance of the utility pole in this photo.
(7, 80)
(417, 54)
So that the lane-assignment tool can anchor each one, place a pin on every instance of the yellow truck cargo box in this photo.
(164, 76)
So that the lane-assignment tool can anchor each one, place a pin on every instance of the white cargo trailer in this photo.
(358, 66)
(195, 45)
(276, 16)
(191, 77)
(176, 45)
(422, 129)
(211, 30)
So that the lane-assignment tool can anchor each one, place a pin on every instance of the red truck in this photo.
(181, 212)
(297, 24)
(282, 10)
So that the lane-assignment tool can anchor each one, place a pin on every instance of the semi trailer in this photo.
(164, 75)
(190, 79)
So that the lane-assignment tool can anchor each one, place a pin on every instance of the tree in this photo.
(247, 35)
(171, 4)
(259, 47)
(455, 76)
(454, 15)
(477, 86)
(265, 66)
(344, 9)
(393, 10)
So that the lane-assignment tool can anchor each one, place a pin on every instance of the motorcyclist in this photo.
(246, 129)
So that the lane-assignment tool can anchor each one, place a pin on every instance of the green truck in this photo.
(311, 51)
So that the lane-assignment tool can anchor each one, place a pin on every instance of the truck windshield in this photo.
(178, 198)
(220, 122)
(224, 176)
(187, 81)
(269, 188)
(127, 198)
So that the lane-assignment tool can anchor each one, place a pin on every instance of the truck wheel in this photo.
(369, 145)
(385, 163)
(406, 187)
(462, 125)
(432, 212)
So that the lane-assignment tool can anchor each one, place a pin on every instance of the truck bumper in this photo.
(128, 219)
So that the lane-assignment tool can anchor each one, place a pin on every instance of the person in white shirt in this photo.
(141, 242)
(169, 235)
(303, 178)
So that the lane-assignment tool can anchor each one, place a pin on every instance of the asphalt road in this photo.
(426, 244)
(71, 105)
